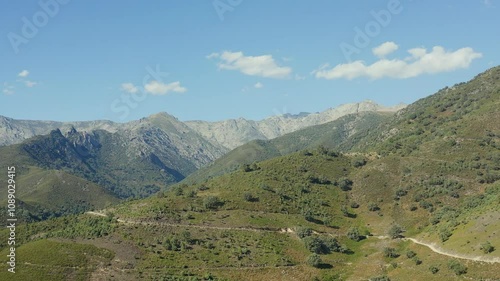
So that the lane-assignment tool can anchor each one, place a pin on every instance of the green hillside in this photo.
(331, 135)
(413, 198)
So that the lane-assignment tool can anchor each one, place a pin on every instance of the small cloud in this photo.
(159, 88)
(212, 55)
(298, 77)
(7, 89)
(263, 66)
(258, 85)
(385, 49)
(23, 73)
(129, 88)
(487, 3)
(420, 62)
(30, 84)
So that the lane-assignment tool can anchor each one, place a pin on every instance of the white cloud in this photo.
(420, 62)
(487, 3)
(23, 73)
(129, 88)
(159, 88)
(258, 85)
(385, 49)
(263, 66)
(30, 84)
(7, 89)
(298, 77)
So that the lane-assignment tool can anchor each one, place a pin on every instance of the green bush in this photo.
(410, 254)
(212, 202)
(314, 260)
(303, 232)
(353, 234)
(395, 231)
(487, 247)
(390, 252)
(457, 267)
(434, 269)
(373, 207)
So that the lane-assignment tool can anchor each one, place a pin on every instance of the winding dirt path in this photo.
(432, 246)
(441, 251)
(190, 225)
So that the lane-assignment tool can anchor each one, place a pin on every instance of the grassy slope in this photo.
(331, 135)
(51, 260)
(434, 172)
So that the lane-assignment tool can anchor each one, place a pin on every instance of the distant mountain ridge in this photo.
(225, 135)
(235, 132)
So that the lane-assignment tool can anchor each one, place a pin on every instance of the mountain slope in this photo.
(321, 215)
(331, 135)
(236, 132)
(136, 161)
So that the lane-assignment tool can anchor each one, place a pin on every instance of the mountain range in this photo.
(411, 195)
(134, 159)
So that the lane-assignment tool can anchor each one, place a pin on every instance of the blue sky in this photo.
(218, 59)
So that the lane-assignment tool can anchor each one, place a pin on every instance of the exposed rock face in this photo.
(235, 132)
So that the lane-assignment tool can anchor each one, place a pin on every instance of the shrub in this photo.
(457, 267)
(249, 197)
(395, 231)
(303, 232)
(444, 235)
(373, 207)
(390, 252)
(314, 244)
(358, 162)
(345, 184)
(212, 202)
(353, 234)
(354, 205)
(410, 254)
(487, 247)
(417, 260)
(314, 260)
(434, 269)
(191, 194)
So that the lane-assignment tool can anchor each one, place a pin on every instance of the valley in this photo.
(371, 195)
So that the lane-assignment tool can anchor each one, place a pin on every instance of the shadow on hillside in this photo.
(325, 266)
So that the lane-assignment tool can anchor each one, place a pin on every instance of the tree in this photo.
(457, 267)
(434, 269)
(303, 232)
(395, 231)
(345, 184)
(211, 202)
(249, 197)
(373, 207)
(353, 234)
(314, 244)
(358, 162)
(487, 247)
(410, 254)
(314, 260)
(390, 252)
